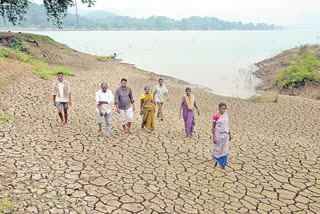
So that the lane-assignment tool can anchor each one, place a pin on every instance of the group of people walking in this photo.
(125, 106)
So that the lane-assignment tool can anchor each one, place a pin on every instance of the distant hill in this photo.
(99, 14)
(105, 20)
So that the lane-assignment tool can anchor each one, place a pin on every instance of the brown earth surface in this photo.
(269, 68)
(274, 157)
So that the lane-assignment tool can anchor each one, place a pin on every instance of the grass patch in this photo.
(302, 72)
(41, 69)
(26, 37)
(15, 54)
(44, 72)
(18, 45)
(64, 70)
(266, 97)
(6, 206)
(13, 47)
(61, 199)
(6, 117)
(4, 52)
(24, 197)
(3, 121)
(3, 118)
(35, 37)
(47, 38)
(256, 98)
(304, 50)
(276, 96)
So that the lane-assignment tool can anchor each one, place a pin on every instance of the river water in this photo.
(220, 60)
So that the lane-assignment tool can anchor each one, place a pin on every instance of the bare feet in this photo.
(108, 136)
(129, 130)
(99, 130)
(61, 123)
(224, 168)
(65, 125)
(124, 131)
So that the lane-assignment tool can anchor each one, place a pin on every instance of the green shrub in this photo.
(257, 98)
(18, 45)
(6, 206)
(276, 96)
(303, 71)
(15, 54)
(4, 52)
(265, 97)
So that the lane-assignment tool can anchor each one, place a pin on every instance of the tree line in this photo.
(36, 17)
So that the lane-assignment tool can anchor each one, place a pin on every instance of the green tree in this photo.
(14, 11)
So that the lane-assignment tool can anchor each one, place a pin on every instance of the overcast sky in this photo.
(281, 12)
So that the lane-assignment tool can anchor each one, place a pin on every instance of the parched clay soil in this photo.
(274, 161)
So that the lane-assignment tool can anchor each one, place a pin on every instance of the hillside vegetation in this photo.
(104, 20)
(28, 52)
(294, 72)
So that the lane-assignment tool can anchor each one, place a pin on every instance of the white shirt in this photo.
(160, 92)
(105, 97)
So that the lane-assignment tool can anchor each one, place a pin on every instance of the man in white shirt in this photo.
(104, 99)
(160, 95)
(62, 97)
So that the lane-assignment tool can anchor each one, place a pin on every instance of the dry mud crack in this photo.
(274, 158)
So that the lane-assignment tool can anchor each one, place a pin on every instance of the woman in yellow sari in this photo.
(147, 110)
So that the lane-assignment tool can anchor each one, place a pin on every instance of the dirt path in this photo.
(274, 159)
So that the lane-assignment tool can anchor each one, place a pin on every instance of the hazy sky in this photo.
(282, 12)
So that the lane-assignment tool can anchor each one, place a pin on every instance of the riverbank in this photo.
(45, 168)
(269, 69)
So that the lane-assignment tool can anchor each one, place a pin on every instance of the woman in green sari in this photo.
(147, 110)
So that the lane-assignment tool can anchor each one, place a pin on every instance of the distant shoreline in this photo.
(81, 29)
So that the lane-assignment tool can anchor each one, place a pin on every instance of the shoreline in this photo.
(255, 86)
(50, 169)
(269, 68)
(177, 80)
(74, 29)
(181, 81)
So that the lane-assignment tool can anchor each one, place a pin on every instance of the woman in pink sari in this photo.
(188, 103)
(221, 136)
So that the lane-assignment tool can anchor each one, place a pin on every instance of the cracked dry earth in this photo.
(274, 158)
